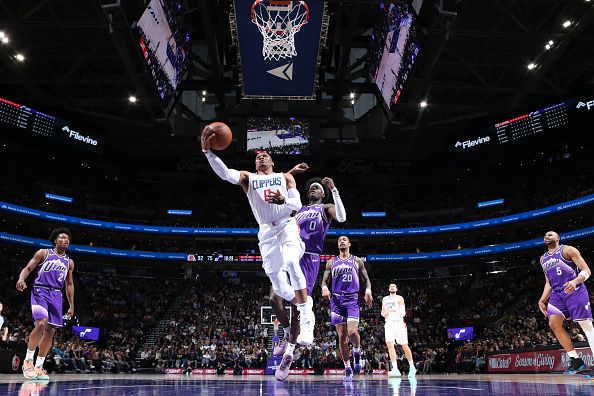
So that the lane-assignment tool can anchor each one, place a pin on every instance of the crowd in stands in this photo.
(440, 196)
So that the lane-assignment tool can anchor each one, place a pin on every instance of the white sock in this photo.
(588, 329)
(347, 364)
(573, 354)
(394, 366)
(356, 350)
(290, 349)
(287, 331)
(39, 362)
(309, 301)
(411, 364)
(301, 307)
(30, 355)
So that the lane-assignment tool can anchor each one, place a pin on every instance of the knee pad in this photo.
(586, 325)
(281, 285)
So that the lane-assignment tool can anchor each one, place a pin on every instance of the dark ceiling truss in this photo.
(479, 59)
(472, 62)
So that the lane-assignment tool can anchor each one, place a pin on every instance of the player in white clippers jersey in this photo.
(393, 310)
(274, 199)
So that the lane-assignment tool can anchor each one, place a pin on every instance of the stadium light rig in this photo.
(531, 66)
(423, 104)
(566, 24)
(132, 99)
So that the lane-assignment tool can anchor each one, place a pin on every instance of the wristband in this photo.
(367, 291)
(584, 274)
(324, 287)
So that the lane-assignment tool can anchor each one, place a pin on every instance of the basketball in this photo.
(223, 136)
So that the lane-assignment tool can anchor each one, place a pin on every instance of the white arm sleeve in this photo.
(293, 199)
(230, 175)
(339, 206)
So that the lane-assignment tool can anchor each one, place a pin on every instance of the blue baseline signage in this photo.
(507, 247)
(292, 75)
(490, 203)
(373, 214)
(60, 198)
(179, 212)
(7, 207)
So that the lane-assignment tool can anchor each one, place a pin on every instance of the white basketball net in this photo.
(279, 21)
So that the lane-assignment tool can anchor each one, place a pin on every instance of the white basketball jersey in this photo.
(259, 188)
(391, 301)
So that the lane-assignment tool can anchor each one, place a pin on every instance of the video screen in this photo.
(278, 135)
(165, 45)
(393, 50)
(461, 333)
(86, 333)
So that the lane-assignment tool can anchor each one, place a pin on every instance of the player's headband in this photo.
(320, 187)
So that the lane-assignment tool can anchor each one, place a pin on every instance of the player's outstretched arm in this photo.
(70, 289)
(233, 176)
(299, 168)
(574, 255)
(365, 278)
(327, 272)
(38, 257)
(336, 211)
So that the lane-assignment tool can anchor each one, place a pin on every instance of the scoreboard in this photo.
(19, 117)
(243, 258)
(27, 118)
(533, 123)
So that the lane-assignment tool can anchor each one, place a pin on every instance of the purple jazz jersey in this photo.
(53, 270)
(345, 275)
(344, 302)
(310, 265)
(313, 226)
(559, 271)
(46, 296)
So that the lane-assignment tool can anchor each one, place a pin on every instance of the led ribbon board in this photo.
(486, 204)
(576, 203)
(447, 254)
(279, 46)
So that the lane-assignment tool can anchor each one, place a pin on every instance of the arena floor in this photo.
(149, 385)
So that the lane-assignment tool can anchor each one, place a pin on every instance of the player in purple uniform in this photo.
(567, 295)
(53, 269)
(347, 272)
(313, 220)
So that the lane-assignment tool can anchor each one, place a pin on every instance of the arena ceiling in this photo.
(82, 62)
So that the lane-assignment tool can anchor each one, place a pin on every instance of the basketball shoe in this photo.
(282, 371)
(29, 369)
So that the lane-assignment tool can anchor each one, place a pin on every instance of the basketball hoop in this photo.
(278, 23)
